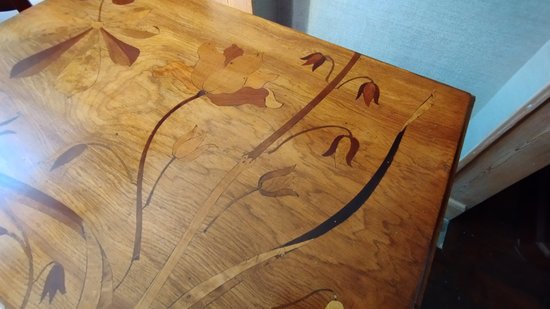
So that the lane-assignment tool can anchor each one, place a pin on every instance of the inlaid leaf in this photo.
(39, 61)
(120, 52)
(242, 96)
(333, 146)
(12, 119)
(278, 193)
(46, 204)
(137, 33)
(122, 2)
(353, 149)
(188, 143)
(3, 231)
(69, 155)
(274, 174)
(231, 53)
(55, 282)
(334, 304)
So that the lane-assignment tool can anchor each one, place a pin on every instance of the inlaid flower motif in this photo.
(275, 183)
(230, 77)
(369, 91)
(318, 59)
(82, 71)
(55, 282)
(315, 60)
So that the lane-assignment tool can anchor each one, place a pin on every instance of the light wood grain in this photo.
(521, 151)
(243, 5)
(196, 153)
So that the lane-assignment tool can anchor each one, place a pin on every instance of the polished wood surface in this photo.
(185, 154)
(243, 5)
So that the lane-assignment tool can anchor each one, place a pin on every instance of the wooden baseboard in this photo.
(520, 147)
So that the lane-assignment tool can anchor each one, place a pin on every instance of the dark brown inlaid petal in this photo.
(353, 149)
(370, 92)
(138, 33)
(39, 61)
(333, 146)
(317, 59)
(232, 52)
(120, 52)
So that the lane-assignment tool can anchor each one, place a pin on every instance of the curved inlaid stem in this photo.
(233, 201)
(139, 185)
(301, 299)
(203, 289)
(78, 306)
(100, 9)
(329, 58)
(42, 271)
(148, 201)
(124, 276)
(304, 111)
(363, 195)
(25, 246)
(306, 131)
(161, 277)
(110, 150)
(352, 79)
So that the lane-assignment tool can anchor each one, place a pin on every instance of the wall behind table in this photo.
(488, 48)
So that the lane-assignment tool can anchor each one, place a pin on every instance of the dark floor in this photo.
(490, 258)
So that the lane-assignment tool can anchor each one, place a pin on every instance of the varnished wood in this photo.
(518, 153)
(183, 154)
(243, 5)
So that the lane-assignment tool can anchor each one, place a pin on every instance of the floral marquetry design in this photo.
(230, 77)
(175, 177)
(83, 70)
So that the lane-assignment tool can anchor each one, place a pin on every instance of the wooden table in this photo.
(184, 154)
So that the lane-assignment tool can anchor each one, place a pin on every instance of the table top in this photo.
(186, 154)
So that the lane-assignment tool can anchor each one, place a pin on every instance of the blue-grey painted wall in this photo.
(490, 48)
